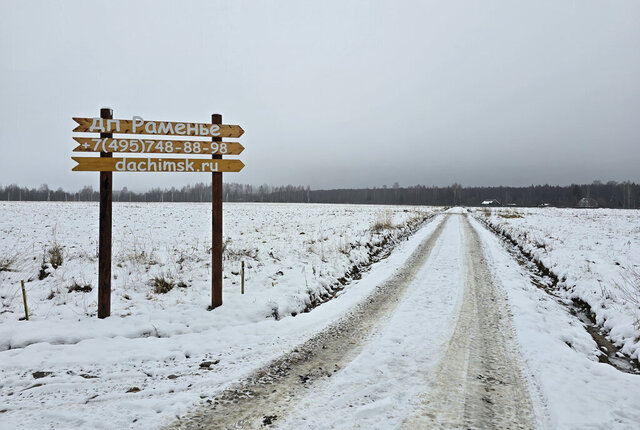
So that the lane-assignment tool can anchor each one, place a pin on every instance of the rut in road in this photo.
(478, 384)
(270, 393)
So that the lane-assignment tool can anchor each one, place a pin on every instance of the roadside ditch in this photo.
(544, 278)
(376, 253)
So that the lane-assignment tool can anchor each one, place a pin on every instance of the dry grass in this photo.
(140, 252)
(383, 222)
(232, 253)
(629, 291)
(510, 215)
(630, 286)
(162, 284)
(416, 219)
(80, 288)
(6, 263)
(55, 256)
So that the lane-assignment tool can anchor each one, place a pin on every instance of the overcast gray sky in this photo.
(333, 93)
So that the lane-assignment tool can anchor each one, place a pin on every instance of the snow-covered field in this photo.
(292, 252)
(572, 388)
(594, 253)
(160, 354)
(155, 342)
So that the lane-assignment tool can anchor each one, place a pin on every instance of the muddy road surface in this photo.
(478, 383)
(432, 347)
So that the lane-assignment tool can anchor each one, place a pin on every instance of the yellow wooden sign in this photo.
(197, 147)
(137, 125)
(136, 164)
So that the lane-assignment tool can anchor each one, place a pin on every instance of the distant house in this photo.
(587, 202)
(493, 202)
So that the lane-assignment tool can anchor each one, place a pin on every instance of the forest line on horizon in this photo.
(612, 194)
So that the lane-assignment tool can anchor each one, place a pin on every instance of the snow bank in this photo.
(293, 254)
(572, 390)
(595, 254)
(160, 353)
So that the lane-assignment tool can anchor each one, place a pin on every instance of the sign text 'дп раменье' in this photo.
(137, 125)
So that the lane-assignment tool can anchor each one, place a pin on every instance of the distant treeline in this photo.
(610, 195)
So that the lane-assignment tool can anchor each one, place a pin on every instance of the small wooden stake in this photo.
(242, 283)
(24, 299)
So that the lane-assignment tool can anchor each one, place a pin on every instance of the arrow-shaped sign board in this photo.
(139, 126)
(115, 164)
(197, 147)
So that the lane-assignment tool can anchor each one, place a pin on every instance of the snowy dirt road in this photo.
(479, 382)
(432, 347)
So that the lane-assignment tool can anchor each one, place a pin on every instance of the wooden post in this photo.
(24, 300)
(242, 283)
(216, 227)
(104, 239)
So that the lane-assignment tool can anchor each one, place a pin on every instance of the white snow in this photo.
(378, 389)
(596, 255)
(571, 389)
(156, 342)
(575, 391)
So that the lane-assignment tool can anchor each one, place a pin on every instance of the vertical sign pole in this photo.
(216, 227)
(104, 239)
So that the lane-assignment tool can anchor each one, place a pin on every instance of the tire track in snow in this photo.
(270, 393)
(478, 384)
(378, 388)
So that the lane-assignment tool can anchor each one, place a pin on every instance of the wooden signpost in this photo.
(106, 145)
